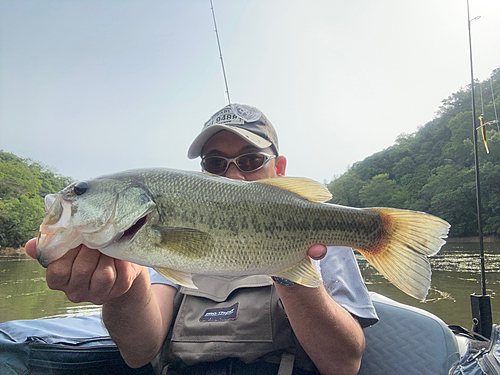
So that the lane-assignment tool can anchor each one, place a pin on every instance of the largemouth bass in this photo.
(183, 223)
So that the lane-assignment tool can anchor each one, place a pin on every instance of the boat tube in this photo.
(406, 340)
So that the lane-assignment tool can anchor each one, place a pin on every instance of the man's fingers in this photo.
(87, 275)
(30, 248)
(317, 252)
(126, 273)
(58, 273)
(102, 280)
(83, 268)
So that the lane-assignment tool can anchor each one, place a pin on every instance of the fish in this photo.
(483, 132)
(183, 223)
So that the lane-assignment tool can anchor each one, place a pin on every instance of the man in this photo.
(139, 310)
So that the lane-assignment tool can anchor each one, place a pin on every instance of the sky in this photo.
(94, 87)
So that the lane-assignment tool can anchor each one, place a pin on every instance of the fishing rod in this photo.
(481, 305)
(220, 54)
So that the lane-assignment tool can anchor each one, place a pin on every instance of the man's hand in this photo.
(136, 313)
(317, 252)
(87, 275)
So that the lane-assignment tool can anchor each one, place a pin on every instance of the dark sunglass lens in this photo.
(250, 162)
(214, 165)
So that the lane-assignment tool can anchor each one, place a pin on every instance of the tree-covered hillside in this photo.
(23, 184)
(432, 170)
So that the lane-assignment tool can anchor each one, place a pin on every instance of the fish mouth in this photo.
(44, 262)
(48, 244)
(45, 259)
(129, 234)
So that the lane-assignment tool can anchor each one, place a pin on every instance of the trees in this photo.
(23, 184)
(433, 169)
(382, 191)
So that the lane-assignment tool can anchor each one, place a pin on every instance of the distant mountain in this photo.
(432, 170)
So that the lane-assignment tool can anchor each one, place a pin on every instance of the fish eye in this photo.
(81, 187)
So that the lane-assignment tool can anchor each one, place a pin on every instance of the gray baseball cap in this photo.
(246, 121)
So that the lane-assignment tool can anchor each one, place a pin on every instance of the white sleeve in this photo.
(344, 283)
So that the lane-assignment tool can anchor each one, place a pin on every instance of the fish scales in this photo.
(282, 224)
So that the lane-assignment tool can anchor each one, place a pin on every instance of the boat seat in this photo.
(407, 340)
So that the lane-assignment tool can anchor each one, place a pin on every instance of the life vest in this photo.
(230, 318)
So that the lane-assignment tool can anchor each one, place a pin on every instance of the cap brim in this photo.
(198, 143)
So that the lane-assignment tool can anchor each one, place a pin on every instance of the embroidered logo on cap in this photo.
(224, 116)
(246, 113)
(221, 314)
(234, 114)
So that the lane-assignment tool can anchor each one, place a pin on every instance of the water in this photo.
(24, 294)
(456, 274)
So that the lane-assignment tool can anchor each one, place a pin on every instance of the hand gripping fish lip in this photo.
(57, 235)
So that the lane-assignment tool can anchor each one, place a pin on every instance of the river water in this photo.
(456, 275)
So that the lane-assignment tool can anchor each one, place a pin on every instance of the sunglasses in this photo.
(246, 163)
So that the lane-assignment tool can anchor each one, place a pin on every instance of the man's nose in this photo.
(234, 173)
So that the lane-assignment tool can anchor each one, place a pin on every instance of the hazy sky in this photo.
(92, 87)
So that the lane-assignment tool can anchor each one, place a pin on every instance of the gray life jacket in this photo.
(230, 318)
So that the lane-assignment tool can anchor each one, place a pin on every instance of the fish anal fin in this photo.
(178, 277)
(303, 273)
(309, 189)
(402, 254)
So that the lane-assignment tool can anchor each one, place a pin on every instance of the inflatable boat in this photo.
(407, 340)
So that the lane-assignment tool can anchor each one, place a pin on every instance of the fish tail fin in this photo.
(402, 254)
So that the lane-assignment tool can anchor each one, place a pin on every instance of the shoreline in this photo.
(489, 239)
(13, 251)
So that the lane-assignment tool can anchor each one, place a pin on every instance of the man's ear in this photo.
(280, 165)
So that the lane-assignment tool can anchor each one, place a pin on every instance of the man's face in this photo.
(230, 145)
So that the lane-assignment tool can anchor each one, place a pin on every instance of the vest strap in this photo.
(286, 364)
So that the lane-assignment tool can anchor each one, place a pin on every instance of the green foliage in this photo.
(433, 169)
(381, 190)
(346, 191)
(23, 184)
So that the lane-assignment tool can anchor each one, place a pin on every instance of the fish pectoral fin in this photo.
(188, 242)
(303, 273)
(178, 277)
(309, 189)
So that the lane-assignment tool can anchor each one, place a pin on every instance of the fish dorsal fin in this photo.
(178, 277)
(309, 189)
(209, 174)
(303, 273)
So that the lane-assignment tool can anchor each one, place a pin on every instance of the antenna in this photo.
(220, 54)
